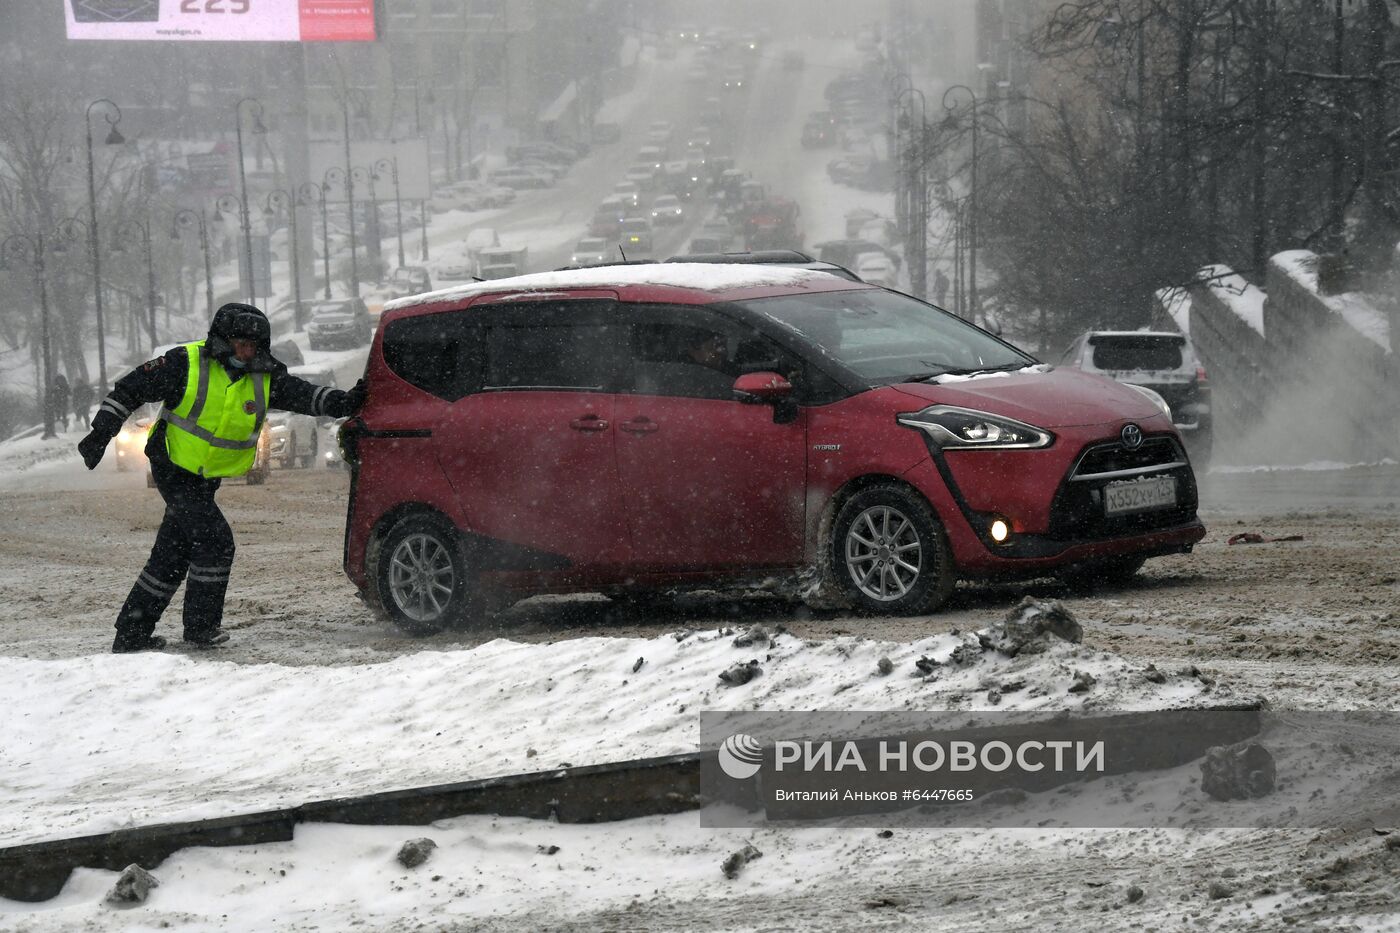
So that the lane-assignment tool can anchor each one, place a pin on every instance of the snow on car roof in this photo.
(692, 276)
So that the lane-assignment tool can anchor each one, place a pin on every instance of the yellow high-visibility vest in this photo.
(214, 430)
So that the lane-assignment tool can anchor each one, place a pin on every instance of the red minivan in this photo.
(636, 428)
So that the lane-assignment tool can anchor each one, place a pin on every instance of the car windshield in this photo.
(592, 246)
(885, 337)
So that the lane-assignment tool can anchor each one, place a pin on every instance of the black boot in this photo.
(209, 639)
(129, 643)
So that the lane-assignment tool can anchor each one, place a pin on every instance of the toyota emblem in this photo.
(1131, 436)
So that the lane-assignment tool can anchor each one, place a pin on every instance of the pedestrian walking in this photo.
(82, 403)
(59, 400)
(940, 288)
(215, 395)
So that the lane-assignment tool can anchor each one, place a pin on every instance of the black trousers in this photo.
(194, 544)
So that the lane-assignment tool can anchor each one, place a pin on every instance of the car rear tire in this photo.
(888, 552)
(422, 576)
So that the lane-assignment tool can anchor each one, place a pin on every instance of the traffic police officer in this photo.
(215, 393)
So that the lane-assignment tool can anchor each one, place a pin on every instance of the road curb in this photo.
(589, 794)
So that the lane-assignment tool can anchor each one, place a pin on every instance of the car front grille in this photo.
(1077, 513)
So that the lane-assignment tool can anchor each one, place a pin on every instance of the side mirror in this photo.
(768, 389)
(762, 388)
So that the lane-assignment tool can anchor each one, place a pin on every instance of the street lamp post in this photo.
(335, 175)
(182, 220)
(392, 166)
(350, 192)
(423, 230)
(284, 201)
(897, 83)
(916, 195)
(34, 248)
(305, 191)
(259, 130)
(372, 243)
(971, 231)
(114, 138)
(145, 227)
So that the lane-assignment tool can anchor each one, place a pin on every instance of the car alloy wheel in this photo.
(883, 553)
(422, 578)
(887, 552)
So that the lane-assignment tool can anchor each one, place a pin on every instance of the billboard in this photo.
(412, 156)
(222, 20)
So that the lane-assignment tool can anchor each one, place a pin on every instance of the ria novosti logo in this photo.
(740, 756)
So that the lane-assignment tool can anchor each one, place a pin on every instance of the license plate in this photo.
(1139, 495)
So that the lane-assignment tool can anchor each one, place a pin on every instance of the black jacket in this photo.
(164, 379)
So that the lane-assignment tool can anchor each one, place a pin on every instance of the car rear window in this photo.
(1132, 351)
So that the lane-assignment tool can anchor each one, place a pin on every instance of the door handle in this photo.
(589, 423)
(639, 426)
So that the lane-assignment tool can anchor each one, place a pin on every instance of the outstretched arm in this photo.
(290, 393)
(160, 380)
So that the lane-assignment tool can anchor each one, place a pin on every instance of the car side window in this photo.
(556, 346)
(689, 353)
(435, 352)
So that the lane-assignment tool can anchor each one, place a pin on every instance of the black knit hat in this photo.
(238, 321)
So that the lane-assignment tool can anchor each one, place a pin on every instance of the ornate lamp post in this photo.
(338, 177)
(259, 130)
(114, 138)
(366, 177)
(183, 220)
(309, 192)
(277, 199)
(118, 247)
(971, 225)
(392, 167)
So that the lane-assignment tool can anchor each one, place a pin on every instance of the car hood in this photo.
(1057, 398)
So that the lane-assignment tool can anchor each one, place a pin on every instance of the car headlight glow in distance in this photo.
(1154, 397)
(953, 428)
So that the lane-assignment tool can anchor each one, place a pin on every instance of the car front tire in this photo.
(888, 552)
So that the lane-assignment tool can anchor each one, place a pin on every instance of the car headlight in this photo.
(1153, 397)
(953, 428)
(125, 435)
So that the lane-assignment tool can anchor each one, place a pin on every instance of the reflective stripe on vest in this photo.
(199, 451)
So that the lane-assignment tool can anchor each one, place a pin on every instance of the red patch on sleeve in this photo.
(156, 363)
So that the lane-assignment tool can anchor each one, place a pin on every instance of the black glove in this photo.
(92, 448)
(355, 397)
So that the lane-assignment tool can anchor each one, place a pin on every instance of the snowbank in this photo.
(159, 737)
